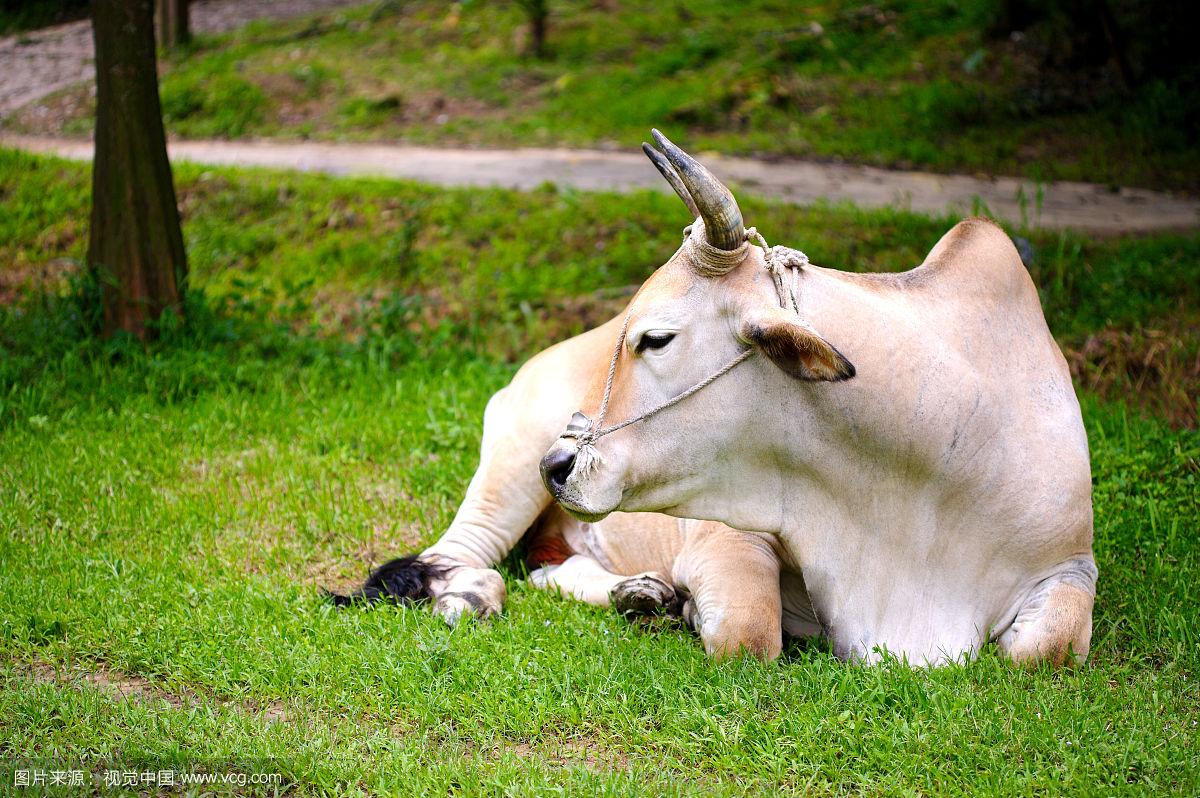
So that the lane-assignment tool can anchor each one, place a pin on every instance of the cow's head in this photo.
(712, 301)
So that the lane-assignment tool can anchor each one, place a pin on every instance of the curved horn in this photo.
(714, 203)
(666, 170)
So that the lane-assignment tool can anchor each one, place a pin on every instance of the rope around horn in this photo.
(784, 265)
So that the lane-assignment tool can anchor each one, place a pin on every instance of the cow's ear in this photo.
(795, 346)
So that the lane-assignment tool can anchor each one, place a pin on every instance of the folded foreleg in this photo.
(584, 578)
(733, 579)
(1054, 624)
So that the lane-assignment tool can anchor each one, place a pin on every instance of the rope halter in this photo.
(784, 266)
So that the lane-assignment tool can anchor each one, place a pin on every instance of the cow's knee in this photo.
(1054, 625)
(737, 632)
(735, 604)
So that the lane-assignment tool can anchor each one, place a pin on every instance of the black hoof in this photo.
(643, 595)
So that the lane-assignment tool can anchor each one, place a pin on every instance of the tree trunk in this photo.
(538, 25)
(173, 27)
(537, 12)
(182, 26)
(1116, 45)
(135, 248)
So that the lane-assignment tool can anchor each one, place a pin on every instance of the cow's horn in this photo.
(714, 203)
(666, 170)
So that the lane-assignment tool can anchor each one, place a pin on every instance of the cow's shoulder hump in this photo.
(975, 253)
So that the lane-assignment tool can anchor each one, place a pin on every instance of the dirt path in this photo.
(1079, 206)
(37, 63)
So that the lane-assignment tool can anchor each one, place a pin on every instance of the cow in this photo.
(726, 584)
(912, 441)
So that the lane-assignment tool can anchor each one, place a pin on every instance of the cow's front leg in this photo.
(455, 589)
(586, 579)
(1054, 623)
(505, 497)
(733, 579)
(463, 581)
(455, 574)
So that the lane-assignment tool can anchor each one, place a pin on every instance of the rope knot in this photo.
(779, 258)
(784, 265)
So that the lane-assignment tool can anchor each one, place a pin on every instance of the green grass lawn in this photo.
(167, 515)
(900, 83)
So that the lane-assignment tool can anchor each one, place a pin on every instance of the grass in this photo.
(378, 257)
(899, 83)
(168, 513)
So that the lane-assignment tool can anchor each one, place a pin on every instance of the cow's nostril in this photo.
(556, 467)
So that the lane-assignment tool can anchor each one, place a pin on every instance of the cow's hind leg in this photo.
(586, 579)
(1054, 624)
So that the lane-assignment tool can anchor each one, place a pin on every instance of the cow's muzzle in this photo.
(559, 462)
(557, 466)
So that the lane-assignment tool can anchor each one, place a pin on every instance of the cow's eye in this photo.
(654, 340)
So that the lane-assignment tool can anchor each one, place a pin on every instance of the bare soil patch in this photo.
(38, 63)
(129, 687)
(18, 280)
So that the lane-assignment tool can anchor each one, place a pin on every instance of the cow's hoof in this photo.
(470, 593)
(643, 595)
(690, 615)
(455, 607)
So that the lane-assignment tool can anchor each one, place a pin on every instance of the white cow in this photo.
(727, 584)
(913, 441)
